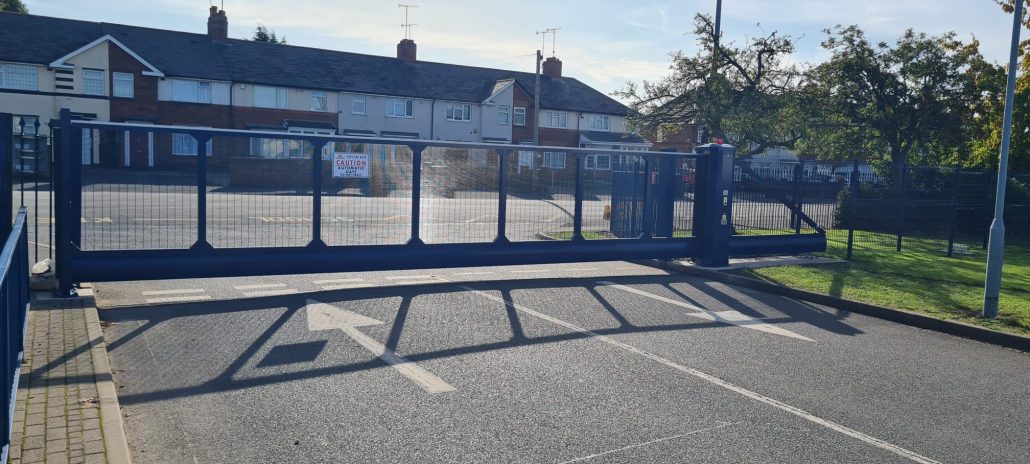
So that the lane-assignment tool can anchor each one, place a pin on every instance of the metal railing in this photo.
(220, 202)
(14, 306)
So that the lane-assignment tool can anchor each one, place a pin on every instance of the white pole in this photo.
(996, 250)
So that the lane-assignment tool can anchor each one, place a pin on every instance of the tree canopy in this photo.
(263, 34)
(14, 6)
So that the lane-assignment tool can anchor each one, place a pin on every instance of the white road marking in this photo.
(255, 287)
(658, 440)
(346, 286)
(421, 281)
(582, 269)
(285, 291)
(911, 455)
(336, 281)
(178, 299)
(84, 292)
(459, 274)
(529, 271)
(172, 292)
(477, 218)
(726, 317)
(325, 317)
(411, 277)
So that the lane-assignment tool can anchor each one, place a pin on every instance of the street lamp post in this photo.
(996, 250)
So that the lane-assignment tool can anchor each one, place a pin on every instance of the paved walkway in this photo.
(66, 410)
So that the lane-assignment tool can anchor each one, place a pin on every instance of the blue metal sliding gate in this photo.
(220, 195)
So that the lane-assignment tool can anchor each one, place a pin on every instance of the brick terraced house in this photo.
(119, 73)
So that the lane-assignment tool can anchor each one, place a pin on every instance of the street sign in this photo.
(350, 165)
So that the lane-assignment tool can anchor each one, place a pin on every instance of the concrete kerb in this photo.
(901, 316)
(110, 412)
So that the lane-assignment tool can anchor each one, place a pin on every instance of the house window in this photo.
(519, 118)
(269, 97)
(298, 149)
(459, 112)
(186, 145)
(18, 77)
(556, 119)
(319, 101)
(554, 160)
(398, 108)
(93, 82)
(123, 85)
(700, 134)
(599, 162)
(268, 148)
(600, 122)
(357, 104)
(504, 115)
(191, 91)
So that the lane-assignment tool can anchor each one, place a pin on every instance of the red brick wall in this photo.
(682, 141)
(521, 133)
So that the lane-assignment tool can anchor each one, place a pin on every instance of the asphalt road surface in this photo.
(597, 363)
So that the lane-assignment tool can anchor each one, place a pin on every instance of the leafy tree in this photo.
(743, 95)
(14, 6)
(263, 34)
(904, 102)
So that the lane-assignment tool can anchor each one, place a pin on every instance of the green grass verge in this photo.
(921, 278)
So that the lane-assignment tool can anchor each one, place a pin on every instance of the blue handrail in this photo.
(14, 305)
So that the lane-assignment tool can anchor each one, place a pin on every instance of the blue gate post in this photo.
(502, 196)
(954, 211)
(67, 210)
(647, 216)
(316, 191)
(853, 208)
(901, 214)
(202, 243)
(6, 177)
(716, 206)
(577, 215)
(416, 193)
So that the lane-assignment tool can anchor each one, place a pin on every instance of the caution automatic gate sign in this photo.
(350, 165)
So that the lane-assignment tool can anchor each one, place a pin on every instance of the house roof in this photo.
(42, 40)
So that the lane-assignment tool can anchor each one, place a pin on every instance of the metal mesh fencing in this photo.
(369, 211)
(541, 196)
(459, 195)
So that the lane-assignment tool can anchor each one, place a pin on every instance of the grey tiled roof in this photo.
(40, 39)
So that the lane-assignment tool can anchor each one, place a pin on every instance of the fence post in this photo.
(646, 216)
(66, 217)
(903, 195)
(799, 193)
(202, 243)
(717, 206)
(316, 191)
(853, 210)
(502, 196)
(416, 193)
(954, 211)
(6, 177)
(577, 216)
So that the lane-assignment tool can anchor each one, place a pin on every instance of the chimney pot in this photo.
(552, 67)
(406, 50)
(217, 24)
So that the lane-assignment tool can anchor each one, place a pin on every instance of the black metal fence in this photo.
(14, 303)
(944, 208)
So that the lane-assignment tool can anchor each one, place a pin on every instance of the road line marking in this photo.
(627, 268)
(411, 277)
(325, 317)
(582, 269)
(178, 299)
(172, 292)
(726, 317)
(255, 287)
(417, 282)
(911, 455)
(346, 286)
(285, 291)
(336, 281)
(657, 440)
(528, 271)
(472, 273)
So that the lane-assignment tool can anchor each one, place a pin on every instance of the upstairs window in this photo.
(123, 85)
(519, 118)
(556, 119)
(93, 82)
(269, 97)
(399, 108)
(504, 115)
(600, 122)
(459, 112)
(18, 77)
(357, 104)
(191, 91)
(319, 101)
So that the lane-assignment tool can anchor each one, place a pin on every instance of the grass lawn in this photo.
(922, 278)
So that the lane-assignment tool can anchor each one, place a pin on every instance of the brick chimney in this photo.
(217, 25)
(406, 50)
(552, 67)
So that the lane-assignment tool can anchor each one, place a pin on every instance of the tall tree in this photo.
(903, 102)
(14, 6)
(986, 146)
(744, 95)
(263, 34)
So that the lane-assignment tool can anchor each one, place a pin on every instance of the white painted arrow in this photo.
(326, 317)
(726, 317)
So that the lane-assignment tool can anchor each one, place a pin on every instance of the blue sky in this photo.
(604, 43)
